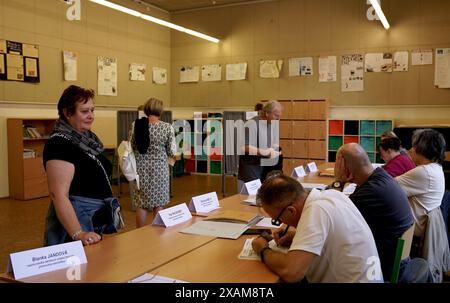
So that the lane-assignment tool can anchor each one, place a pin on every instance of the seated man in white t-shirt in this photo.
(329, 239)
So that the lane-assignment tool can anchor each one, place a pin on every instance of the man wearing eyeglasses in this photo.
(329, 239)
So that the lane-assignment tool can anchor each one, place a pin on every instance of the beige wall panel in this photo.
(342, 24)
(49, 18)
(242, 93)
(19, 91)
(403, 89)
(318, 32)
(378, 84)
(292, 87)
(428, 93)
(436, 22)
(405, 18)
(218, 93)
(242, 38)
(266, 27)
(265, 88)
(18, 35)
(74, 31)
(292, 27)
(52, 84)
(19, 14)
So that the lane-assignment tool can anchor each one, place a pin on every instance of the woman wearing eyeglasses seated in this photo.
(396, 163)
(329, 240)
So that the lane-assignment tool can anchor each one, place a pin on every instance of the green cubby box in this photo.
(367, 127)
(334, 142)
(383, 126)
(368, 143)
(216, 167)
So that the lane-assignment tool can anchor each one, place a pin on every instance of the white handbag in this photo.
(127, 162)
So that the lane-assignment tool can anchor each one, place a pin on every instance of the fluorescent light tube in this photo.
(155, 20)
(380, 13)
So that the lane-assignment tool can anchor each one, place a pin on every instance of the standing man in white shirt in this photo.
(329, 239)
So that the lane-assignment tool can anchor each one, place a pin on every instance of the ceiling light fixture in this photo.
(380, 13)
(155, 20)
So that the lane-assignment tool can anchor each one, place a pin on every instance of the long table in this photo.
(167, 252)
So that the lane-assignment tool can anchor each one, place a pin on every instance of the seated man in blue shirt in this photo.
(379, 198)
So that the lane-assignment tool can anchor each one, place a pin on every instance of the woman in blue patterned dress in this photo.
(153, 143)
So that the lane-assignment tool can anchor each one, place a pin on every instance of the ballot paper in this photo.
(248, 253)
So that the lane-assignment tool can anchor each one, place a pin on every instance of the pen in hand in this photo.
(284, 232)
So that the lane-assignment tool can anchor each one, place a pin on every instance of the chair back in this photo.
(402, 252)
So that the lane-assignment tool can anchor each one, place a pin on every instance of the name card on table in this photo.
(172, 216)
(298, 172)
(311, 167)
(204, 203)
(46, 259)
(251, 188)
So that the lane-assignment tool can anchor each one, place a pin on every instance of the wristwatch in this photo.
(337, 185)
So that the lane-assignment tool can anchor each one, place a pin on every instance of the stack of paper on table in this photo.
(235, 216)
(327, 172)
(248, 253)
(229, 224)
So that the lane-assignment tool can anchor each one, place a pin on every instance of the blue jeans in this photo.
(94, 215)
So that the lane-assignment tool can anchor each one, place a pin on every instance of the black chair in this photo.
(445, 209)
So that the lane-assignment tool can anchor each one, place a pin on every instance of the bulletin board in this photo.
(19, 61)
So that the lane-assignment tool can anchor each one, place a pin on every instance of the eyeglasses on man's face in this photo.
(277, 221)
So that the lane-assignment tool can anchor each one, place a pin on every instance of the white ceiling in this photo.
(179, 5)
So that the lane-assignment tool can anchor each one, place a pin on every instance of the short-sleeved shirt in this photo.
(399, 165)
(425, 187)
(258, 134)
(333, 229)
(90, 178)
(385, 207)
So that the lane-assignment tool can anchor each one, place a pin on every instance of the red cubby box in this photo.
(215, 153)
(336, 127)
(351, 139)
(190, 166)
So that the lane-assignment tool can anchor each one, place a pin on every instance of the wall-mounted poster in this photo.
(300, 66)
(378, 62)
(19, 61)
(442, 68)
(138, 71)
(70, 60)
(159, 75)
(422, 57)
(401, 61)
(107, 76)
(212, 72)
(327, 69)
(236, 71)
(270, 68)
(189, 74)
(352, 73)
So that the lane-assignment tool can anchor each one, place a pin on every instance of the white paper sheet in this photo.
(442, 68)
(137, 71)
(266, 222)
(216, 229)
(401, 61)
(237, 71)
(352, 73)
(189, 74)
(70, 60)
(424, 57)
(270, 68)
(300, 66)
(159, 75)
(212, 72)
(378, 62)
(107, 76)
(247, 252)
(327, 69)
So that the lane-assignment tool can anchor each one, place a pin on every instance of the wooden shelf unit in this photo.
(303, 132)
(27, 178)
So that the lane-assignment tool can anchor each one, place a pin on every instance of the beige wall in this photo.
(294, 28)
(101, 32)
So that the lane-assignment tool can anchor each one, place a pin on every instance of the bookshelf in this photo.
(365, 132)
(26, 141)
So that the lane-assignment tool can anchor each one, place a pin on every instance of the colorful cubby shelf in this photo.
(365, 132)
